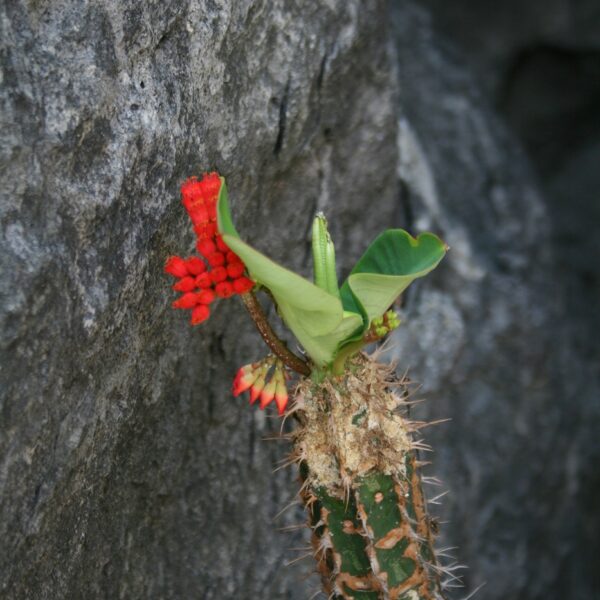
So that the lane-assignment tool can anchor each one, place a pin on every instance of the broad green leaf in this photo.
(390, 264)
(316, 317)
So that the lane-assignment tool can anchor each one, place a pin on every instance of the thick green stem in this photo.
(372, 536)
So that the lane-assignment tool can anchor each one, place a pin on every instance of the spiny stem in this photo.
(277, 346)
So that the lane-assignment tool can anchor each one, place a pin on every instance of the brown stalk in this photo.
(276, 345)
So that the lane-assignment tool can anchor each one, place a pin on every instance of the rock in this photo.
(542, 71)
(127, 468)
(491, 340)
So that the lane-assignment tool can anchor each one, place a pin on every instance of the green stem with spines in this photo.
(372, 536)
(379, 539)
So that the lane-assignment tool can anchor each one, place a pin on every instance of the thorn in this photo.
(422, 424)
(435, 500)
(287, 507)
(431, 480)
(291, 562)
(292, 527)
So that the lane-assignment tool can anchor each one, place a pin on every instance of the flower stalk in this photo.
(277, 346)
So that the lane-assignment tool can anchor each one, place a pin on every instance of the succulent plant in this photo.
(356, 449)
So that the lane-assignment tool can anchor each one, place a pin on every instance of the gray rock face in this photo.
(542, 71)
(127, 470)
(492, 341)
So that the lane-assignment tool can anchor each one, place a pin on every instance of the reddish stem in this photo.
(277, 346)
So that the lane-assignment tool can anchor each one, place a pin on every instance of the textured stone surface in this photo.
(542, 70)
(492, 341)
(126, 468)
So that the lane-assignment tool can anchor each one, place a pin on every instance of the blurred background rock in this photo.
(127, 470)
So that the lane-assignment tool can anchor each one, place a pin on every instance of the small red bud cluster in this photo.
(220, 273)
(254, 377)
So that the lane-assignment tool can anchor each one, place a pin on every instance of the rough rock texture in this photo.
(542, 71)
(126, 468)
(492, 340)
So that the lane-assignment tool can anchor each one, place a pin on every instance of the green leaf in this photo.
(390, 264)
(316, 317)
(324, 256)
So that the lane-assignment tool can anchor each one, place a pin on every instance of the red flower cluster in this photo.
(220, 273)
(253, 377)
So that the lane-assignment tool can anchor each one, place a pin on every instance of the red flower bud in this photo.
(235, 270)
(268, 393)
(221, 245)
(211, 184)
(200, 313)
(191, 193)
(206, 247)
(281, 393)
(232, 257)
(195, 265)
(185, 284)
(257, 388)
(188, 300)
(242, 285)
(218, 274)
(199, 215)
(224, 289)
(212, 211)
(244, 378)
(216, 259)
(205, 296)
(176, 266)
(204, 280)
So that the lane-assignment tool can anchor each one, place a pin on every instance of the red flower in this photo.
(223, 276)
(224, 289)
(188, 300)
(200, 313)
(205, 296)
(185, 284)
(204, 281)
(235, 270)
(176, 266)
(254, 377)
(218, 274)
(242, 285)
(206, 247)
(216, 259)
(195, 265)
